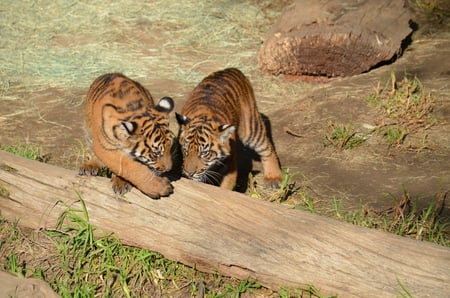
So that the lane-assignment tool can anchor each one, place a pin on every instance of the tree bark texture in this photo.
(335, 38)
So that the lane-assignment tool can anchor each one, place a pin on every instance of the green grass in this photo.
(359, 217)
(422, 224)
(293, 292)
(343, 136)
(285, 192)
(395, 135)
(403, 292)
(307, 202)
(405, 218)
(26, 150)
(101, 264)
(406, 108)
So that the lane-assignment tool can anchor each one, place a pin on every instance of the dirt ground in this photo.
(373, 173)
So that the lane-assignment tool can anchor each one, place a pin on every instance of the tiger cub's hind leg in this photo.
(272, 171)
(259, 141)
(269, 159)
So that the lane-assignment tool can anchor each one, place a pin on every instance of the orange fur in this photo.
(220, 111)
(129, 135)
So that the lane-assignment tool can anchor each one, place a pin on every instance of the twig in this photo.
(292, 133)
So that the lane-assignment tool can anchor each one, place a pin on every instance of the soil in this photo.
(373, 173)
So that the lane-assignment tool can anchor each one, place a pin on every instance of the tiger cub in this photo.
(221, 110)
(129, 135)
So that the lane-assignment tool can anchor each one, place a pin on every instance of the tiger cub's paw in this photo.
(158, 187)
(273, 182)
(120, 186)
(88, 168)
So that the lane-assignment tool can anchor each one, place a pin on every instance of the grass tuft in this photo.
(101, 264)
(310, 292)
(286, 191)
(404, 218)
(26, 150)
(406, 108)
(343, 137)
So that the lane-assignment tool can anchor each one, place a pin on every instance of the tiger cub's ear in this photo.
(226, 131)
(181, 119)
(165, 105)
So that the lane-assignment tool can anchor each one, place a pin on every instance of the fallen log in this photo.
(13, 286)
(221, 231)
(335, 38)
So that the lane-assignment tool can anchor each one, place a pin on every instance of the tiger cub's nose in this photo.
(188, 173)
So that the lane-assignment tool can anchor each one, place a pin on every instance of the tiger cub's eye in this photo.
(205, 153)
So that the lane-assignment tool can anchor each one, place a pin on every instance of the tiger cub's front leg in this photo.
(92, 167)
(230, 178)
(131, 171)
(120, 185)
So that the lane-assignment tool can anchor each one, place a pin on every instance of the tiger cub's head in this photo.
(205, 145)
(147, 138)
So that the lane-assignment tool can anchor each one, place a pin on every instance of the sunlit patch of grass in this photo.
(310, 292)
(26, 150)
(287, 187)
(404, 218)
(363, 216)
(405, 106)
(72, 50)
(286, 190)
(343, 136)
(253, 187)
(422, 224)
(395, 135)
(244, 286)
(103, 265)
(403, 292)
(306, 202)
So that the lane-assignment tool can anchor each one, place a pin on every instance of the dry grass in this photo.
(65, 44)
(406, 108)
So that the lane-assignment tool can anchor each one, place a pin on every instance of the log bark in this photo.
(13, 286)
(335, 38)
(221, 231)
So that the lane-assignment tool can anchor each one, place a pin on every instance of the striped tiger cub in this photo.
(220, 111)
(129, 135)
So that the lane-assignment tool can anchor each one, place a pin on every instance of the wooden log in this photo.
(335, 38)
(13, 286)
(218, 230)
